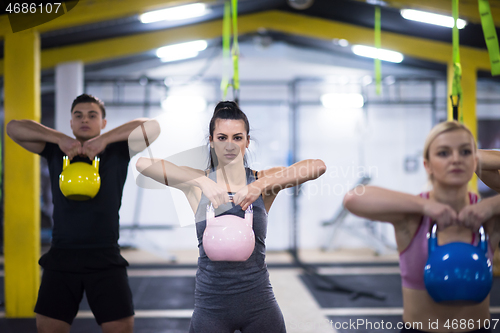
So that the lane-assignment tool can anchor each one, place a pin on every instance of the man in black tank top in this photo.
(84, 254)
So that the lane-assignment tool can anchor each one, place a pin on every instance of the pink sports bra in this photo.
(412, 259)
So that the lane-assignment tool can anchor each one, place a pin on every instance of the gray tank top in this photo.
(231, 277)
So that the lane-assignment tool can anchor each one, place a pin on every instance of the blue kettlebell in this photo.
(458, 273)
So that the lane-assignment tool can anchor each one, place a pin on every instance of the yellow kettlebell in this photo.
(80, 181)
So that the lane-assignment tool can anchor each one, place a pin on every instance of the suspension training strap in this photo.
(490, 36)
(226, 52)
(456, 90)
(378, 44)
(236, 53)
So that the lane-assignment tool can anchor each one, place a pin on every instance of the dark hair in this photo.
(225, 110)
(86, 98)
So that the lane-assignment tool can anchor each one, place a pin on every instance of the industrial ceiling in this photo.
(107, 23)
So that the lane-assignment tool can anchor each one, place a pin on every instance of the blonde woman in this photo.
(450, 159)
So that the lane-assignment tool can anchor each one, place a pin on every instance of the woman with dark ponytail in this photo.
(232, 295)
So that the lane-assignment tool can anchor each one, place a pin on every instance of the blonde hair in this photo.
(444, 127)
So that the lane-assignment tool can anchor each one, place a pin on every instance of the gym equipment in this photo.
(456, 90)
(458, 273)
(368, 235)
(378, 45)
(229, 237)
(230, 13)
(490, 36)
(327, 283)
(79, 180)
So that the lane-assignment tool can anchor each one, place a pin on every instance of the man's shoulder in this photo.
(118, 145)
(51, 150)
(117, 148)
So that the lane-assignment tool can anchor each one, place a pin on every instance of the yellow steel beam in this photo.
(91, 11)
(420, 48)
(129, 45)
(22, 177)
(274, 20)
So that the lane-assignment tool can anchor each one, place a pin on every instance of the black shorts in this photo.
(108, 294)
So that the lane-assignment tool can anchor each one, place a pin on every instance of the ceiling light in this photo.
(181, 51)
(174, 13)
(377, 2)
(342, 101)
(179, 56)
(341, 42)
(373, 52)
(366, 80)
(185, 104)
(431, 18)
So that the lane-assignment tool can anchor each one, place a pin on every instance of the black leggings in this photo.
(244, 312)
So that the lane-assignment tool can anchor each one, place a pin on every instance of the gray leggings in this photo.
(247, 312)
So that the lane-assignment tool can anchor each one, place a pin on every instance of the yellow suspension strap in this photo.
(378, 45)
(235, 50)
(456, 90)
(236, 53)
(226, 44)
(490, 36)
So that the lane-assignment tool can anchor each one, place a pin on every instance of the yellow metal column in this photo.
(22, 176)
(469, 87)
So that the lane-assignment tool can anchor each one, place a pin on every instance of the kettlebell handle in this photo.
(483, 240)
(210, 209)
(482, 244)
(67, 162)
(432, 236)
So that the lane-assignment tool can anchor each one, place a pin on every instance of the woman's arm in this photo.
(380, 204)
(489, 159)
(270, 182)
(473, 216)
(488, 169)
(33, 136)
(183, 178)
(487, 213)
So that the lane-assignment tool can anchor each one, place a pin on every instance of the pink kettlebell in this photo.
(229, 237)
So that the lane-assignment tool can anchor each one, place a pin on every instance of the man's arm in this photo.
(33, 136)
(135, 131)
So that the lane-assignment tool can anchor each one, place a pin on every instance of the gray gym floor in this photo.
(163, 294)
